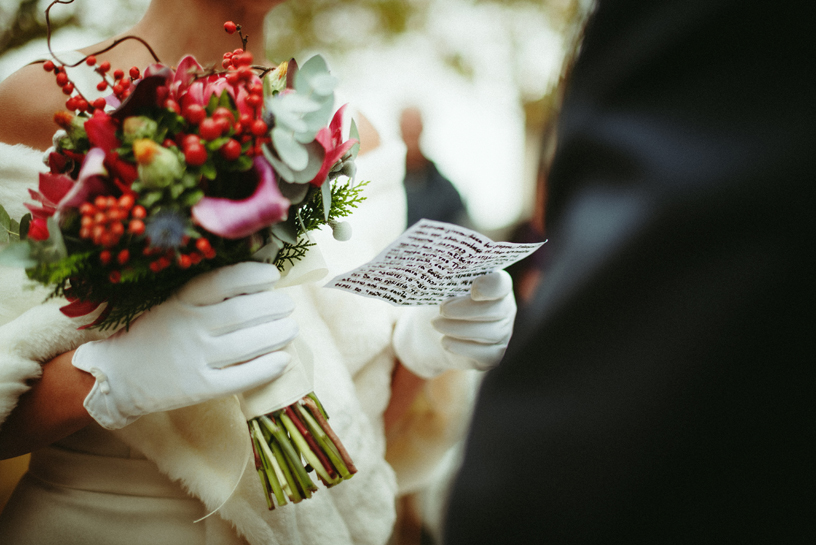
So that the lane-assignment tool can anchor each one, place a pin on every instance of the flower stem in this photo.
(324, 442)
(319, 416)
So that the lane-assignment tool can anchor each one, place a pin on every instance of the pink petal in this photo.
(90, 182)
(238, 219)
(101, 130)
(336, 125)
(78, 308)
(184, 76)
(54, 187)
(324, 138)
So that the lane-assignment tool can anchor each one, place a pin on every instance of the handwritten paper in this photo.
(429, 263)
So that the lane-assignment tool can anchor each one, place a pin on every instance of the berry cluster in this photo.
(103, 221)
(119, 86)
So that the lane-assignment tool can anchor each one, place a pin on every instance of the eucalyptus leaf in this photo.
(355, 134)
(294, 192)
(313, 68)
(316, 155)
(327, 199)
(17, 254)
(290, 151)
(323, 84)
(287, 230)
(280, 167)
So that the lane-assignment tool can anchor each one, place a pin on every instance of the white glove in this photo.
(183, 351)
(468, 332)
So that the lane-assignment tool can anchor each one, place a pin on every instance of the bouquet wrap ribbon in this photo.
(297, 380)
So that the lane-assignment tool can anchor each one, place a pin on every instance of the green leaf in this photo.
(191, 198)
(209, 171)
(5, 226)
(25, 221)
(151, 198)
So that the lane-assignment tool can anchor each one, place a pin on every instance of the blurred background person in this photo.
(428, 192)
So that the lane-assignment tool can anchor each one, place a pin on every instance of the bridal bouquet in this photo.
(182, 170)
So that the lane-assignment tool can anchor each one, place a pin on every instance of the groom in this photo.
(663, 390)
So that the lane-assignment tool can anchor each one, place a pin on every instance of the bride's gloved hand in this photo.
(184, 351)
(468, 332)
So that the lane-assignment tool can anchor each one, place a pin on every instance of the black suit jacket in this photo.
(660, 387)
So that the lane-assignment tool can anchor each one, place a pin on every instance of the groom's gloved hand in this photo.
(467, 332)
(185, 350)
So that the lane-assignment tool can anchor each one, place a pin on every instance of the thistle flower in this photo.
(166, 229)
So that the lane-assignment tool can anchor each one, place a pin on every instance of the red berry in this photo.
(171, 104)
(85, 232)
(68, 88)
(102, 85)
(209, 129)
(118, 74)
(210, 254)
(81, 104)
(256, 89)
(226, 63)
(230, 27)
(244, 59)
(118, 89)
(233, 78)
(115, 277)
(123, 257)
(90, 60)
(195, 258)
(87, 209)
(100, 103)
(254, 101)
(258, 127)
(48, 66)
(62, 79)
(237, 51)
(101, 202)
(224, 113)
(117, 229)
(138, 212)
(104, 67)
(184, 261)
(203, 245)
(190, 140)
(231, 150)
(127, 201)
(136, 227)
(195, 155)
(169, 143)
(155, 266)
(70, 104)
(105, 257)
(134, 72)
(194, 113)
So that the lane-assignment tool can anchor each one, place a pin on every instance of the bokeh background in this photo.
(486, 74)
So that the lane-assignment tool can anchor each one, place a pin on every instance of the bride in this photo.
(134, 438)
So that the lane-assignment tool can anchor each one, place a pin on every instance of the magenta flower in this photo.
(331, 138)
(238, 219)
